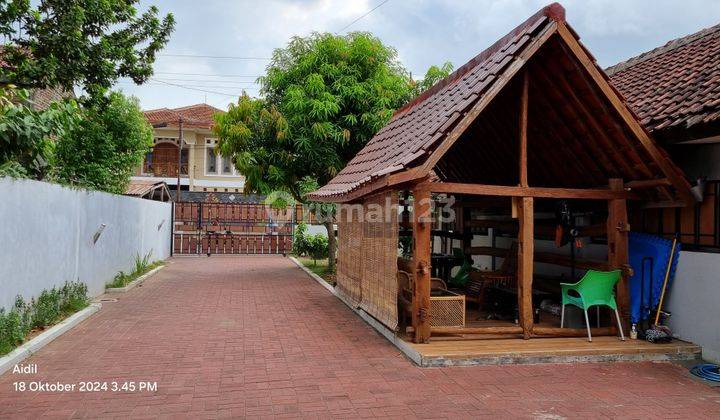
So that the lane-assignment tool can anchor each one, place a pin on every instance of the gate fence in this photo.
(225, 228)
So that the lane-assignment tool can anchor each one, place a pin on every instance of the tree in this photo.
(26, 134)
(104, 148)
(326, 95)
(88, 43)
(433, 75)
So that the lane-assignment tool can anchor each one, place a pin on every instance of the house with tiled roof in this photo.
(675, 91)
(202, 169)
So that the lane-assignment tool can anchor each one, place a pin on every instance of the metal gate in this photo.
(220, 228)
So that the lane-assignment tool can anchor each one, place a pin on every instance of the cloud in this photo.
(424, 32)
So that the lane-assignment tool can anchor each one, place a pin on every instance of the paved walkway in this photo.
(256, 337)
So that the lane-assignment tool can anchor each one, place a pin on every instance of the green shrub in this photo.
(50, 307)
(317, 247)
(47, 308)
(142, 266)
(300, 240)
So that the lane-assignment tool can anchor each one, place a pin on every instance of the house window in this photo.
(226, 166)
(147, 168)
(210, 160)
(216, 164)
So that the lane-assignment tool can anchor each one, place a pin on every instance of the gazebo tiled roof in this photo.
(582, 133)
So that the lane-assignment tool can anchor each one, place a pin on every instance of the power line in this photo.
(206, 74)
(209, 81)
(196, 89)
(222, 57)
(211, 87)
(354, 21)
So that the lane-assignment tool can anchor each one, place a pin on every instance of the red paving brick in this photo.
(256, 337)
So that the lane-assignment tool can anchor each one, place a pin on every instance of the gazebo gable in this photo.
(419, 136)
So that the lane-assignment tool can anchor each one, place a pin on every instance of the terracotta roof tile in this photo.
(421, 125)
(194, 116)
(140, 187)
(676, 85)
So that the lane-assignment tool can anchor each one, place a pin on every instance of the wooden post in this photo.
(525, 210)
(421, 263)
(179, 161)
(526, 248)
(523, 131)
(617, 238)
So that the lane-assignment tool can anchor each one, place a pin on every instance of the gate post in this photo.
(172, 228)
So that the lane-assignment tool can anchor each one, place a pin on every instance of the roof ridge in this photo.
(182, 108)
(667, 47)
(553, 11)
(158, 109)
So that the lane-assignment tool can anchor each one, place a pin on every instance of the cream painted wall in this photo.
(198, 163)
(195, 142)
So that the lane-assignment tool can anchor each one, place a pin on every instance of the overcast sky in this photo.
(424, 32)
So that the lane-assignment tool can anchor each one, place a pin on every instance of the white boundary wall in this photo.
(694, 301)
(46, 236)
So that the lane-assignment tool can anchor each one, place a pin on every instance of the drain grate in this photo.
(107, 300)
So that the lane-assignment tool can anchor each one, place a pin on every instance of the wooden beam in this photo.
(421, 265)
(664, 204)
(617, 239)
(545, 229)
(537, 192)
(648, 183)
(543, 257)
(571, 332)
(477, 330)
(666, 166)
(524, 130)
(566, 261)
(526, 249)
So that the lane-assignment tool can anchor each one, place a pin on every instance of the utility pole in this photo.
(180, 148)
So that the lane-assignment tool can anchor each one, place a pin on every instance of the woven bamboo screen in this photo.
(379, 258)
(349, 266)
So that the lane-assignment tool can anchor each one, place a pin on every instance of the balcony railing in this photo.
(165, 169)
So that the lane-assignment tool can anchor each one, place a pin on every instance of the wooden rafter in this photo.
(537, 192)
(680, 184)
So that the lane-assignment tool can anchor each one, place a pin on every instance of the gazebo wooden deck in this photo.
(528, 123)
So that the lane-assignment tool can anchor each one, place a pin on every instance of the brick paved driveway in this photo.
(256, 337)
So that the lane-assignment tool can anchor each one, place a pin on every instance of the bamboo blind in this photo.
(349, 266)
(379, 258)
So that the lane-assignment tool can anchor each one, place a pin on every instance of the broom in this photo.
(660, 333)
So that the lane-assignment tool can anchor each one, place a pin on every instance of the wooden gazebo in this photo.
(530, 118)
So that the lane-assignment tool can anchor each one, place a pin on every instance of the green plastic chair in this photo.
(596, 288)
(461, 277)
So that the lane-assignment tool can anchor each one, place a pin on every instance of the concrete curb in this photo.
(27, 349)
(135, 282)
(389, 335)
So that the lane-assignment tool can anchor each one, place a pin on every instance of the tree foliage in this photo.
(335, 92)
(254, 133)
(88, 43)
(104, 148)
(433, 75)
(27, 135)
(325, 96)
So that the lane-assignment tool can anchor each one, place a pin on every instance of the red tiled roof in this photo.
(423, 123)
(676, 85)
(140, 187)
(194, 116)
(42, 98)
